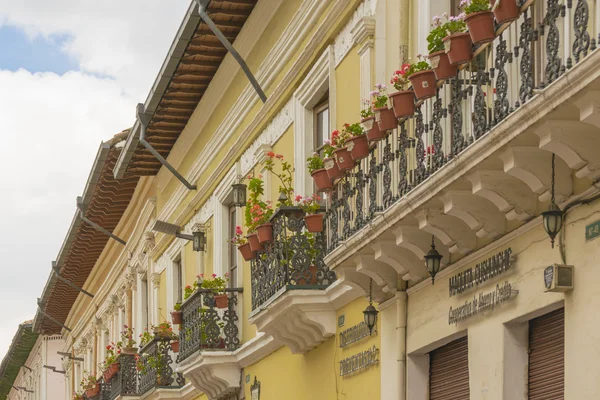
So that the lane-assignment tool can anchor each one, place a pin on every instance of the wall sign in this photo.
(483, 302)
(354, 334)
(359, 362)
(592, 231)
(485, 270)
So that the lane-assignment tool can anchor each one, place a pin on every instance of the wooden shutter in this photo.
(547, 357)
(449, 371)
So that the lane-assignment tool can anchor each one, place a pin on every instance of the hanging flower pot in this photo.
(254, 243)
(403, 103)
(265, 233)
(506, 11)
(358, 147)
(314, 222)
(344, 159)
(333, 170)
(459, 48)
(175, 346)
(322, 180)
(111, 371)
(441, 66)
(93, 391)
(177, 317)
(481, 26)
(221, 300)
(424, 84)
(367, 123)
(385, 118)
(246, 251)
(313, 275)
(375, 133)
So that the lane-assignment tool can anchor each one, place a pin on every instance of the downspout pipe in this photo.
(144, 120)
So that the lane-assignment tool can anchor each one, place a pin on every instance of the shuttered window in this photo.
(547, 357)
(449, 371)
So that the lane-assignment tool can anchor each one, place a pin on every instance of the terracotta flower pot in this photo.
(344, 159)
(459, 48)
(265, 233)
(424, 84)
(481, 26)
(403, 103)
(333, 170)
(177, 317)
(314, 222)
(322, 180)
(93, 391)
(507, 11)
(441, 66)
(313, 272)
(375, 134)
(254, 243)
(221, 300)
(385, 118)
(246, 251)
(358, 147)
(129, 350)
(367, 123)
(111, 371)
(175, 346)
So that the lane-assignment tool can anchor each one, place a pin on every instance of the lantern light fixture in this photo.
(199, 241)
(370, 313)
(239, 193)
(432, 261)
(553, 216)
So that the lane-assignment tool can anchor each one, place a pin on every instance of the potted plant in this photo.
(217, 285)
(90, 385)
(242, 244)
(479, 19)
(156, 363)
(331, 166)
(458, 45)
(317, 170)
(164, 331)
(505, 10)
(127, 341)
(257, 211)
(77, 396)
(311, 206)
(111, 364)
(440, 63)
(342, 155)
(383, 115)
(145, 338)
(176, 314)
(357, 143)
(189, 290)
(403, 101)
(422, 78)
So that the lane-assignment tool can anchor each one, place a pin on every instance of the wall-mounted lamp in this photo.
(432, 261)
(199, 242)
(370, 313)
(239, 193)
(553, 216)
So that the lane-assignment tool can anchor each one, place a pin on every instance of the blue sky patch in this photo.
(37, 55)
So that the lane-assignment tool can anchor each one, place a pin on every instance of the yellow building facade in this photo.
(469, 171)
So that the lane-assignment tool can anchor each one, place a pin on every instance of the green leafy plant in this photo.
(354, 129)
(189, 290)
(146, 337)
(400, 77)
(473, 6)
(164, 330)
(285, 176)
(113, 350)
(257, 211)
(239, 238)
(89, 381)
(216, 284)
(177, 307)
(77, 396)
(452, 25)
(314, 163)
(310, 205)
(367, 111)
(379, 96)
(127, 339)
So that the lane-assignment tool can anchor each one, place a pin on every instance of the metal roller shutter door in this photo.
(547, 357)
(449, 371)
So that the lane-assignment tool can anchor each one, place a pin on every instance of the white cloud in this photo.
(51, 125)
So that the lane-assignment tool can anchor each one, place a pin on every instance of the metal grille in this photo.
(547, 357)
(449, 371)
(155, 366)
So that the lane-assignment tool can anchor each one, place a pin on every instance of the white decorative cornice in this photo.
(202, 216)
(363, 29)
(260, 154)
(346, 39)
(155, 278)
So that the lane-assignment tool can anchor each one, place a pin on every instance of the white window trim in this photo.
(174, 254)
(221, 222)
(319, 80)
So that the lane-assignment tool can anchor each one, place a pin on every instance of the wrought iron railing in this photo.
(155, 366)
(206, 327)
(294, 259)
(125, 381)
(549, 38)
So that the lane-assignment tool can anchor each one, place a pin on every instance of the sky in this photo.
(71, 73)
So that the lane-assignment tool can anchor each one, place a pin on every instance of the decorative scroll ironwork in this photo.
(403, 185)
(552, 41)
(420, 171)
(294, 258)
(501, 104)
(388, 158)
(155, 365)
(526, 67)
(359, 189)
(332, 215)
(581, 17)
(207, 327)
(372, 179)
(125, 382)
(346, 212)
(458, 140)
(437, 152)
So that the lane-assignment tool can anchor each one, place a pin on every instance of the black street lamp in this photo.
(432, 261)
(198, 241)
(239, 194)
(553, 217)
(370, 313)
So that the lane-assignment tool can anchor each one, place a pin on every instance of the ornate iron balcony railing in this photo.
(125, 382)
(155, 366)
(528, 54)
(206, 327)
(294, 260)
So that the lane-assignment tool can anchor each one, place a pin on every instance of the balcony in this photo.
(474, 162)
(208, 337)
(293, 290)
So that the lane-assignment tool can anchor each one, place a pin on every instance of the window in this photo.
(321, 122)
(454, 10)
(547, 357)
(177, 281)
(144, 303)
(232, 249)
